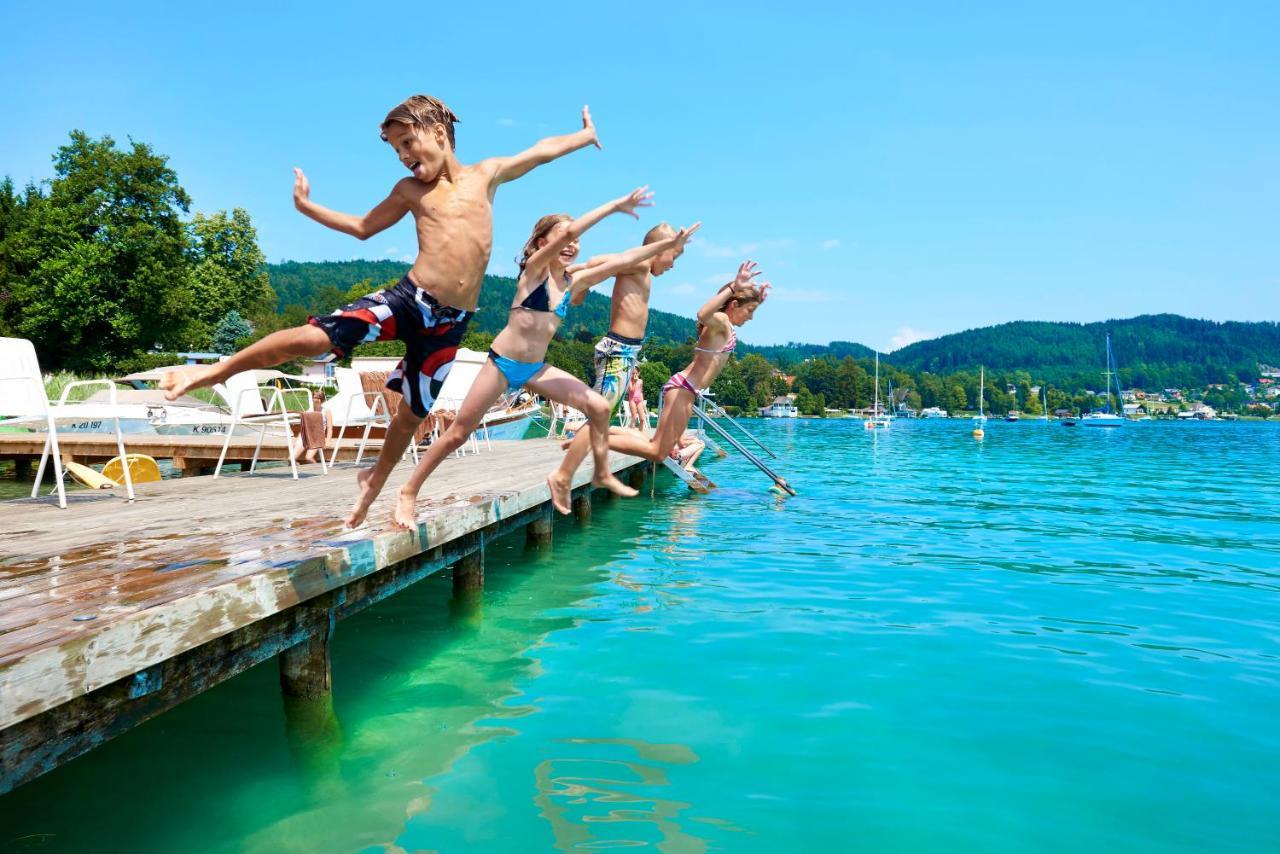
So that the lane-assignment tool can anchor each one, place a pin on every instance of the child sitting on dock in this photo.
(542, 296)
(452, 207)
(618, 352)
(718, 319)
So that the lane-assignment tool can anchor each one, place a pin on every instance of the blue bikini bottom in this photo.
(517, 373)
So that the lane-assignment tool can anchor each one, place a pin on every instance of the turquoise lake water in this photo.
(1050, 640)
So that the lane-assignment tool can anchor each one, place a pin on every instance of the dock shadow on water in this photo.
(419, 681)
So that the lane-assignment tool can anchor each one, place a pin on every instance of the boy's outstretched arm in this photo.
(384, 215)
(627, 204)
(588, 277)
(544, 151)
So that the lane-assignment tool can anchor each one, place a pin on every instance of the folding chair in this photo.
(24, 399)
(244, 395)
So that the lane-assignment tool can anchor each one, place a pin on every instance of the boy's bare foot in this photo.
(177, 383)
(560, 492)
(405, 514)
(368, 492)
(614, 485)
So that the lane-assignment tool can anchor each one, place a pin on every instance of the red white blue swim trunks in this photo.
(431, 333)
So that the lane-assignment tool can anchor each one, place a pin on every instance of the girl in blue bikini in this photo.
(547, 282)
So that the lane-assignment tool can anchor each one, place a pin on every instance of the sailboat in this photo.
(1106, 417)
(879, 419)
(980, 420)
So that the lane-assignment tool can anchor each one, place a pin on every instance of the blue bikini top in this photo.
(539, 299)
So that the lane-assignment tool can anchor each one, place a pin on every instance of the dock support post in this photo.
(582, 506)
(466, 604)
(636, 476)
(306, 680)
(538, 531)
(468, 576)
(304, 668)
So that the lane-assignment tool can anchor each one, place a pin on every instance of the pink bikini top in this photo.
(729, 346)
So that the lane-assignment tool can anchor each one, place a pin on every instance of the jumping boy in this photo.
(618, 352)
(452, 207)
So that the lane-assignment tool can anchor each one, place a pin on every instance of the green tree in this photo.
(96, 268)
(654, 375)
(227, 267)
(957, 402)
(231, 329)
(804, 399)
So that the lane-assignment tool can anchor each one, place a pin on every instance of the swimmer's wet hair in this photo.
(742, 294)
(421, 111)
(661, 231)
(541, 229)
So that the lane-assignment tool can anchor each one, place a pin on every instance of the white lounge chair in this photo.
(244, 395)
(466, 367)
(23, 398)
(567, 418)
(355, 407)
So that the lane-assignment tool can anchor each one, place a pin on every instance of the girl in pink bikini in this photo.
(733, 305)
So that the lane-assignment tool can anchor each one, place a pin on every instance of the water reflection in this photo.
(612, 793)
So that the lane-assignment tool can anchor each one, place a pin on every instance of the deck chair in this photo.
(466, 367)
(245, 396)
(23, 398)
(567, 418)
(353, 406)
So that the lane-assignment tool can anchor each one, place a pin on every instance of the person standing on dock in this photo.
(452, 207)
(618, 352)
(718, 319)
(546, 285)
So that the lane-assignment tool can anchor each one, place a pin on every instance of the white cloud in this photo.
(830, 244)
(391, 250)
(682, 289)
(408, 257)
(906, 335)
(711, 249)
(507, 123)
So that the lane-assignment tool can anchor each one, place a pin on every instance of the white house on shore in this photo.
(782, 407)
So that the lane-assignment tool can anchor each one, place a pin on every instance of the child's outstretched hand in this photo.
(684, 235)
(590, 126)
(746, 273)
(764, 290)
(640, 198)
(301, 188)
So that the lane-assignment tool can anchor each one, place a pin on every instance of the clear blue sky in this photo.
(897, 172)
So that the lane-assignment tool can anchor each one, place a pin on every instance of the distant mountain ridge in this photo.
(1149, 349)
(309, 283)
(1152, 351)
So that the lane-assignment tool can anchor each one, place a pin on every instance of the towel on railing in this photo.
(313, 433)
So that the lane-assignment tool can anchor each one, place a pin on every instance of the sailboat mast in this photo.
(875, 408)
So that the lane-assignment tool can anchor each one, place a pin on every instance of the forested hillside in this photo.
(322, 286)
(1152, 351)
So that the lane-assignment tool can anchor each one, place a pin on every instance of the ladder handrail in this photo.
(719, 412)
(724, 434)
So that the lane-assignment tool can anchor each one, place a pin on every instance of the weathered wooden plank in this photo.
(259, 574)
(44, 741)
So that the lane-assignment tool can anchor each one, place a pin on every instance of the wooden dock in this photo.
(191, 455)
(112, 612)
